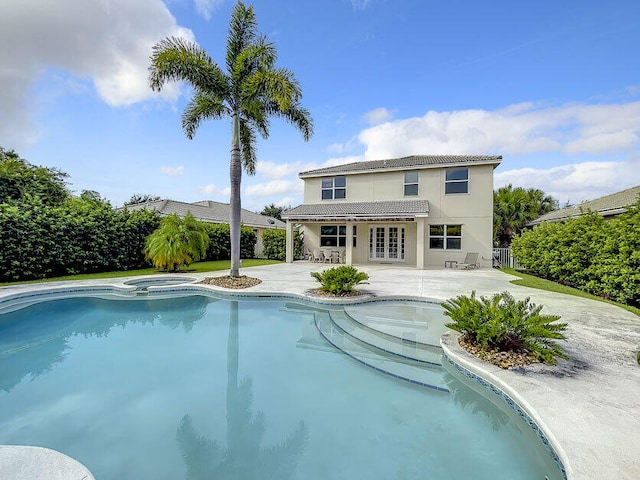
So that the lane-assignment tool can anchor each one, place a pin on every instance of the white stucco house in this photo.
(418, 211)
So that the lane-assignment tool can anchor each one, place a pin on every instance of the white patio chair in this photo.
(318, 255)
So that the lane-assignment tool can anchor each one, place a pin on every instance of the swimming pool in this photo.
(200, 386)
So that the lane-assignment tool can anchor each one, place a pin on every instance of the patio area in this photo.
(589, 407)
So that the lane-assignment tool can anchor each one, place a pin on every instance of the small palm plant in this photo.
(340, 280)
(505, 324)
(178, 241)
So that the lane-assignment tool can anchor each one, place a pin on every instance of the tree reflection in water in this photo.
(243, 458)
(34, 339)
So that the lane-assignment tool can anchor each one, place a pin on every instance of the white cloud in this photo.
(360, 4)
(516, 129)
(575, 182)
(214, 191)
(106, 42)
(377, 116)
(205, 7)
(172, 171)
(272, 170)
(276, 187)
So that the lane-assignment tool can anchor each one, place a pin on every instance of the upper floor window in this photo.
(456, 180)
(410, 184)
(335, 187)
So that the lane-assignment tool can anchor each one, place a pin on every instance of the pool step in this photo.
(414, 371)
(401, 347)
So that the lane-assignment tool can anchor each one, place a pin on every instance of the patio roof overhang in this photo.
(385, 211)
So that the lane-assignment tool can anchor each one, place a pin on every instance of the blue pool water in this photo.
(198, 387)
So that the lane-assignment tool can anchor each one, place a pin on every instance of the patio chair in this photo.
(470, 261)
(334, 257)
(318, 255)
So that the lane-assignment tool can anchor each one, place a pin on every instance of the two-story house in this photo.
(417, 211)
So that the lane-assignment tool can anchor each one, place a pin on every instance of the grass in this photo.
(532, 281)
(198, 267)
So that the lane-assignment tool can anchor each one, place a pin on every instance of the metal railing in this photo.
(502, 257)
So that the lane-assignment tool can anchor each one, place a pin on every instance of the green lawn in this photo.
(201, 267)
(532, 281)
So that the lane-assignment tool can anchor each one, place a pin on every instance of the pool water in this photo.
(199, 387)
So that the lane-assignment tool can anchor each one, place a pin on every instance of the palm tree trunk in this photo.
(235, 175)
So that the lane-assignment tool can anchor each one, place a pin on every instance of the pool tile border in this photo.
(513, 404)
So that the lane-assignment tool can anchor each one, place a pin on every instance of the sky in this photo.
(552, 86)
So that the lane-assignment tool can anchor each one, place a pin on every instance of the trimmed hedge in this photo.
(598, 256)
(275, 244)
(78, 236)
(220, 241)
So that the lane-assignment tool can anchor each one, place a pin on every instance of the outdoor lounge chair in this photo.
(470, 261)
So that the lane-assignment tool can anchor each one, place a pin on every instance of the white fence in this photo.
(502, 258)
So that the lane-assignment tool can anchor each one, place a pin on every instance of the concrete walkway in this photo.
(589, 406)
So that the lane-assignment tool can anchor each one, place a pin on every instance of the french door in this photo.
(386, 243)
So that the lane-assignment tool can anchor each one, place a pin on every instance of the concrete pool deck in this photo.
(589, 406)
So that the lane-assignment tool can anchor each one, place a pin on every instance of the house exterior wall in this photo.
(472, 210)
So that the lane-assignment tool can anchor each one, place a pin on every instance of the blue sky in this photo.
(552, 86)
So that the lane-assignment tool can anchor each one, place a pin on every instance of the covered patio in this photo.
(361, 232)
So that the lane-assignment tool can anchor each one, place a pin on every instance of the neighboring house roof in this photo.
(208, 211)
(384, 210)
(406, 163)
(606, 206)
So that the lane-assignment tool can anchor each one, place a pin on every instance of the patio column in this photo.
(289, 242)
(349, 251)
(420, 243)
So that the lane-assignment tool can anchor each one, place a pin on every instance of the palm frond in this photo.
(203, 106)
(177, 59)
(297, 116)
(243, 29)
(248, 147)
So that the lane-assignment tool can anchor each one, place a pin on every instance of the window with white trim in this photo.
(410, 184)
(333, 235)
(456, 180)
(334, 188)
(445, 237)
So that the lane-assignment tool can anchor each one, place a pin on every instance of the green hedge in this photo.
(598, 256)
(275, 244)
(220, 241)
(78, 236)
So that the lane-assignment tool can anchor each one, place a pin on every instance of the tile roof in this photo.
(608, 205)
(208, 211)
(358, 210)
(414, 161)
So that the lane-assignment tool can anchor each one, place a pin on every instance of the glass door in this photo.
(386, 243)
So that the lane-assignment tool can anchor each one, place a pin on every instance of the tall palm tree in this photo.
(251, 91)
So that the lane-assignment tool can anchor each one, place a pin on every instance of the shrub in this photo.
(220, 244)
(597, 256)
(275, 244)
(78, 236)
(506, 324)
(340, 280)
(178, 241)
